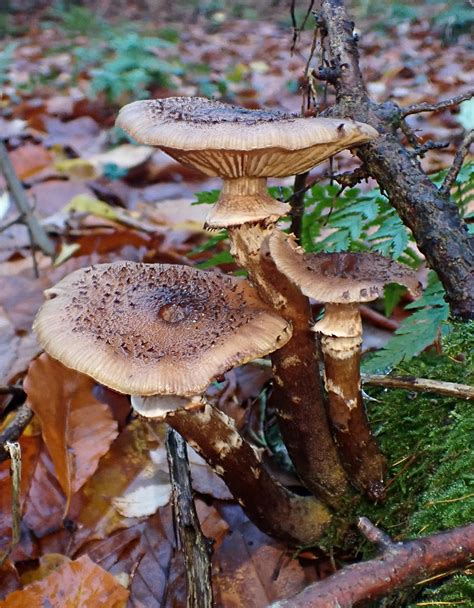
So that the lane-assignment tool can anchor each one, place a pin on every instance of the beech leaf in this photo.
(77, 429)
(77, 584)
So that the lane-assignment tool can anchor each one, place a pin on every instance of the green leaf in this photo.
(223, 257)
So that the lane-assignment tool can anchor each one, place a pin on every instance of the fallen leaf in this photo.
(128, 456)
(29, 159)
(77, 584)
(77, 429)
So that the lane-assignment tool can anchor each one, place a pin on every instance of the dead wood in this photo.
(398, 565)
(433, 218)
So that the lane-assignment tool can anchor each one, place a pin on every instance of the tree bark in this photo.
(433, 218)
(399, 565)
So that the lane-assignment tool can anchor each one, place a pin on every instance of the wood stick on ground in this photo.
(399, 565)
(422, 385)
(14, 451)
(14, 429)
(197, 549)
(38, 234)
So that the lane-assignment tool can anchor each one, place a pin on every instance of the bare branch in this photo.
(422, 385)
(14, 429)
(457, 164)
(417, 108)
(297, 204)
(36, 230)
(429, 145)
(399, 565)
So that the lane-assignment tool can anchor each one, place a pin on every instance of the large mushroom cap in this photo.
(150, 329)
(229, 141)
(339, 278)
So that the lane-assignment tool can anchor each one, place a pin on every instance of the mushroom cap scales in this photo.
(230, 141)
(150, 329)
(339, 278)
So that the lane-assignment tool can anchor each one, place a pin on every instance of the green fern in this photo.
(416, 332)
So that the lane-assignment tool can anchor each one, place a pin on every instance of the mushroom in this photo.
(167, 331)
(149, 329)
(299, 520)
(245, 147)
(342, 281)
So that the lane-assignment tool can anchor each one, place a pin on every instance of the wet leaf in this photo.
(77, 429)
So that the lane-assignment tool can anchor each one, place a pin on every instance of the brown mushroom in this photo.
(342, 281)
(242, 146)
(168, 331)
(245, 147)
(299, 520)
(150, 329)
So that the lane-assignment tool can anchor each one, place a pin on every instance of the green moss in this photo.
(428, 440)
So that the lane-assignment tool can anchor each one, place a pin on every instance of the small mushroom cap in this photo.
(149, 329)
(339, 278)
(230, 141)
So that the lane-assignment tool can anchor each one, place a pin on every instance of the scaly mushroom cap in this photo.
(339, 278)
(149, 329)
(229, 141)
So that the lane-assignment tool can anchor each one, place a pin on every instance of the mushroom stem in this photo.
(297, 392)
(244, 199)
(299, 520)
(341, 338)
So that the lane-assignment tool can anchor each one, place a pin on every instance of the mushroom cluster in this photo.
(163, 333)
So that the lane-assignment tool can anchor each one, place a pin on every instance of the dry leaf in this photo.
(77, 584)
(77, 429)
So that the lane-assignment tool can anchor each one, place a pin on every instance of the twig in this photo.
(429, 145)
(399, 565)
(457, 164)
(37, 232)
(14, 429)
(14, 451)
(297, 205)
(422, 385)
(196, 547)
(12, 389)
(417, 108)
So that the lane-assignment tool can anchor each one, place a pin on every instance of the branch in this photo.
(297, 205)
(398, 565)
(422, 385)
(434, 219)
(196, 547)
(422, 149)
(14, 429)
(36, 230)
(417, 108)
(457, 164)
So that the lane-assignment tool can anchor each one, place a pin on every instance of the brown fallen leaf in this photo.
(251, 570)
(77, 429)
(77, 584)
(29, 159)
(92, 509)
